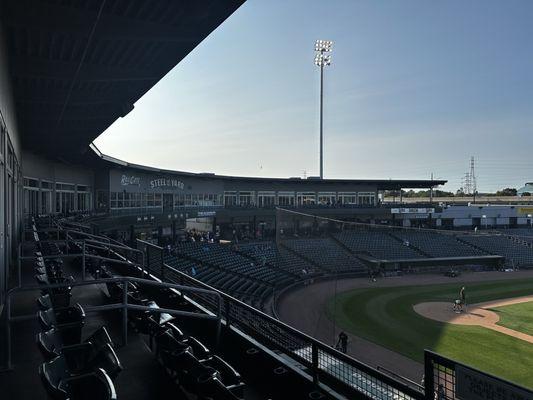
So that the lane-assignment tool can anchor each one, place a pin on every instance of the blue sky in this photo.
(415, 87)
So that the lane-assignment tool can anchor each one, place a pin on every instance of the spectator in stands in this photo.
(193, 271)
(342, 343)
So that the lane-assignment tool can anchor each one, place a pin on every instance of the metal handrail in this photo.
(409, 381)
(116, 246)
(124, 305)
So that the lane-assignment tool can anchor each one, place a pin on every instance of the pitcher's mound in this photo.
(444, 312)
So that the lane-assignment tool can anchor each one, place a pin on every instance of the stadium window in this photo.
(84, 197)
(158, 200)
(2, 141)
(149, 199)
(31, 183)
(65, 187)
(179, 200)
(326, 198)
(46, 185)
(65, 197)
(286, 199)
(30, 196)
(366, 198)
(120, 200)
(305, 198)
(230, 199)
(126, 203)
(246, 198)
(10, 158)
(31, 201)
(347, 198)
(113, 199)
(46, 201)
(266, 199)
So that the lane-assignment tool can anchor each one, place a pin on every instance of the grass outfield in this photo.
(516, 316)
(385, 315)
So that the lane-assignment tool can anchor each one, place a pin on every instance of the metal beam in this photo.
(34, 67)
(79, 96)
(54, 18)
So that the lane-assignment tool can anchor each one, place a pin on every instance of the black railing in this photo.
(448, 379)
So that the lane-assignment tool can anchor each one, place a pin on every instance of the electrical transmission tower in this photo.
(469, 180)
(473, 179)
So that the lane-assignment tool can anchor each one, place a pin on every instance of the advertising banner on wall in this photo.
(412, 210)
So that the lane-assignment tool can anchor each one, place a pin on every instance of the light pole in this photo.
(321, 60)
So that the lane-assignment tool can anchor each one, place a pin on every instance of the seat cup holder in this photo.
(280, 371)
(314, 395)
(252, 351)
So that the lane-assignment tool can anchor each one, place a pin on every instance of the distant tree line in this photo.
(442, 193)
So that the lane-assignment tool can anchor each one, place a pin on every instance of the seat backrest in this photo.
(52, 372)
(176, 332)
(228, 374)
(100, 338)
(50, 343)
(91, 386)
(198, 348)
(107, 359)
(47, 318)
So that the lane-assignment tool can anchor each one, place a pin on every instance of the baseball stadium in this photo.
(127, 281)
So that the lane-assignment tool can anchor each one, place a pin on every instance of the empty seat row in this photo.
(377, 244)
(327, 254)
(185, 358)
(72, 369)
(436, 244)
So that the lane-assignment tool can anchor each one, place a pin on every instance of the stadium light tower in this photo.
(321, 60)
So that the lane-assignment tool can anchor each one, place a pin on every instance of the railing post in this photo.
(147, 266)
(314, 357)
(124, 312)
(19, 266)
(8, 331)
(162, 267)
(429, 379)
(83, 261)
(219, 322)
(227, 311)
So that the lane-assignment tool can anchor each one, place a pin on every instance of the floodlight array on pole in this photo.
(322, 47)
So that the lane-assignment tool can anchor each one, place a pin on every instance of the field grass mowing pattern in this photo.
(386, 316)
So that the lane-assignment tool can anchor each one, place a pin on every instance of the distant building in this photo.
(528, 188)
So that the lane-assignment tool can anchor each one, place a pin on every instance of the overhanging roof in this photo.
(95, 157)
(78, 65)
